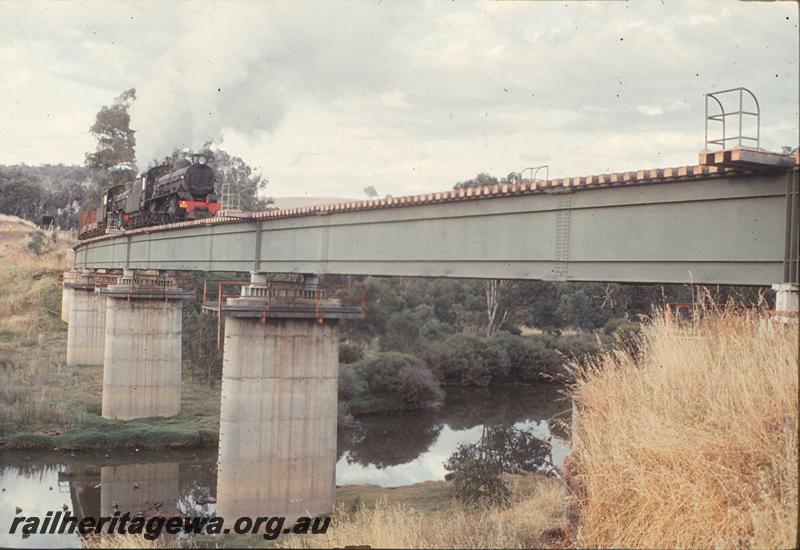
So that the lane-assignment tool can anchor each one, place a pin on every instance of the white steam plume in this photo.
(215, 75)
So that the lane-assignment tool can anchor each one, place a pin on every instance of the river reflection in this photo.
(170, 483)
(389, 450)
(409, 448)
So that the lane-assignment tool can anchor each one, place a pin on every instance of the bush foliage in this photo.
(350, 352)
(477, 467)
(389, 381)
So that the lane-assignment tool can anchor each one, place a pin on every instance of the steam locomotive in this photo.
(164, 194)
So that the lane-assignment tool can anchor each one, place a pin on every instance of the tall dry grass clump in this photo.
(31, 293)
(692, 444)
(386, 525)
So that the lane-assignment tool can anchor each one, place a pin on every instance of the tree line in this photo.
(61, 191)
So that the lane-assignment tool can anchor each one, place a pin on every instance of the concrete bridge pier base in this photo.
(87, 315)
(787, 297)
(278, 419)
(142, 354)
(66, 293)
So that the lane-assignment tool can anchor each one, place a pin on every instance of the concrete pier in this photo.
(70, 275)
(277, 451)
(87, 314)
(66, 293)
(142, 353)
(787, 297)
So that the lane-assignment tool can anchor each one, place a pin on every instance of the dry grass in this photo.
(31, 294)
(41, 394)
(694, 445)
(407, 518)
(386, 525)
(43, 402)
(36, 389)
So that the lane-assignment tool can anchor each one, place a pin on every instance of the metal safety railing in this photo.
(717, 100)
(534, 172)
(274, 293)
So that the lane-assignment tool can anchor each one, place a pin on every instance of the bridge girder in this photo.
(713, 230)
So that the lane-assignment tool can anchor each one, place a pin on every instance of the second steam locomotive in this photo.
(164, 194)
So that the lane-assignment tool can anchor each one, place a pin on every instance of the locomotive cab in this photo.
(112, 204)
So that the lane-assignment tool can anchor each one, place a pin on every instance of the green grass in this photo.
(45, 404)
(196, 426)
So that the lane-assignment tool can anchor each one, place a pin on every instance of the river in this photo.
(388, 450)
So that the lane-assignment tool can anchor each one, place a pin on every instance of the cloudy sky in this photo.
(327, 98)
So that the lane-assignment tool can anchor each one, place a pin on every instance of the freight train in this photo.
(164, 194)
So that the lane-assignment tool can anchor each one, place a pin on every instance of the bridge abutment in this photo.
(86, 314)
(278, 417)
(142, 353)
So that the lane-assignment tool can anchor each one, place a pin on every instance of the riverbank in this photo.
(423, 515)
(64, 413)
(47, 405)
(693, 443)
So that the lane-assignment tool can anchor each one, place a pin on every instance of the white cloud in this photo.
(329, 98)
(650, 110)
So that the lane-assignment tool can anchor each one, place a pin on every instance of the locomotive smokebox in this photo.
(198, 158)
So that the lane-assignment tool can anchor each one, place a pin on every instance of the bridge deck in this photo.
(702, 224)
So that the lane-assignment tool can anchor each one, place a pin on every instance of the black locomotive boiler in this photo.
(164, 194)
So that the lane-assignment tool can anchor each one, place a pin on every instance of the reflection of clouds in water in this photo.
(31, 492)
(28, 486)
(430, 464)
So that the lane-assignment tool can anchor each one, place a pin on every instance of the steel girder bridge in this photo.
(733, 219)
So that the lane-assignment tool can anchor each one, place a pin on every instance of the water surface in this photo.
(389, 450)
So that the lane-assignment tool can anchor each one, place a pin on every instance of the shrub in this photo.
(351, 383)
(476, 479)
(36, 242)
(579, 347)
(623, 334)
(530, 358)
(402, 333)
(350, 352)
(393, 375)
(434, 329)
(477, 467)
(469, 360)
(48, 293)
(418, 385)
